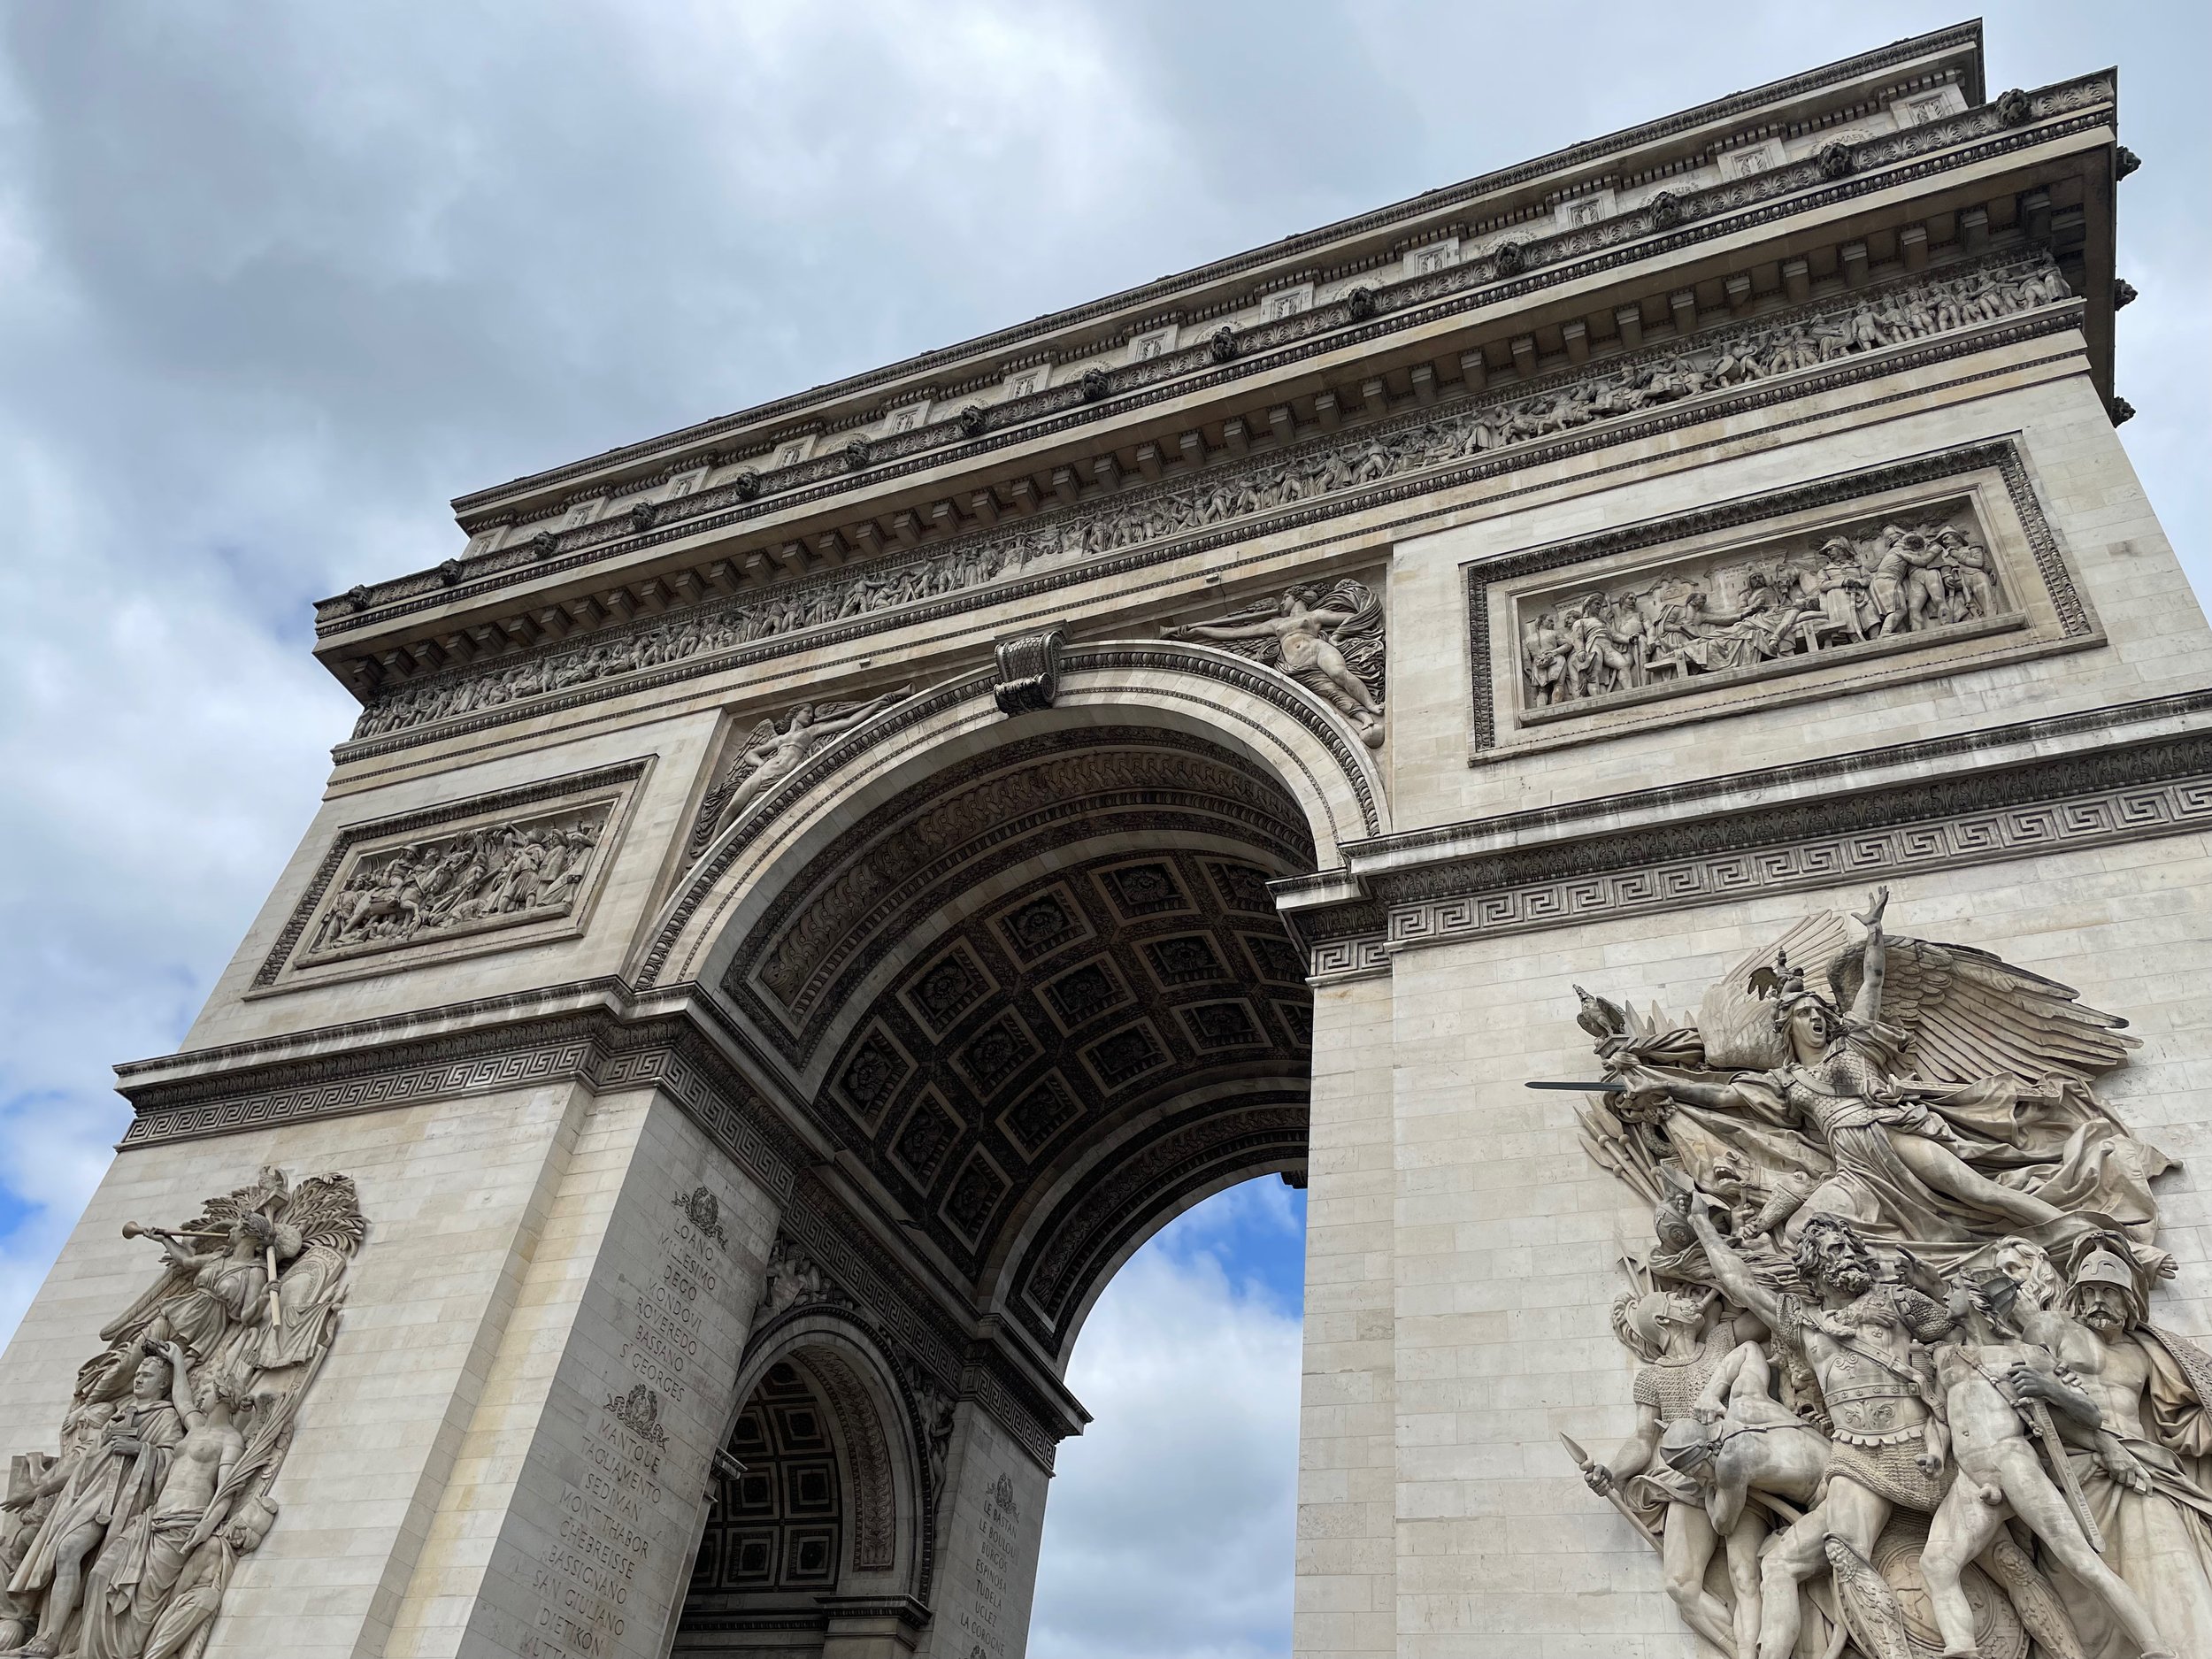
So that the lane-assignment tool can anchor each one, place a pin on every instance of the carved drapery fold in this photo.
(176, 1431)
(1319, 474)
(1895, 1235)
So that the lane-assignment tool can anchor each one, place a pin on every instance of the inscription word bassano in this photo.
(806, 897)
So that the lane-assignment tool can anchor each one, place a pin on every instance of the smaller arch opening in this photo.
(805, 1509)
(778, 1527)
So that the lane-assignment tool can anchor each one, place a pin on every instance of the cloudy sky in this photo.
(277, 280)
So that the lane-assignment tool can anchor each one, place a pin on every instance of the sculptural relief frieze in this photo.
(122, 1543)
(517, 869)
(1734, 357)
(1898, 1371)
(1029, 397)
(1893, 572)
(527, 860)
(1329, 641)
(771, 752)
(1856, 587)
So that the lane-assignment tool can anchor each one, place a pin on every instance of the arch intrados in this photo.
(1065, 1175)
(1186, 1201)
(948, 919)
(1192, 690)
(818, 1339)
(1055, 1198)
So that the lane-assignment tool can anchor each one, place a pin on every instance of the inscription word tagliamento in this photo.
(586, 1573)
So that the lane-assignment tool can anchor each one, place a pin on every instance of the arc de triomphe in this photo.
(809, 894)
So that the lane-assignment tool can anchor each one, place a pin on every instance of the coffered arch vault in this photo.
(1027, 972)
(1273, 723)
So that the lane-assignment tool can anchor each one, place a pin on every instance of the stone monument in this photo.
(809, 894)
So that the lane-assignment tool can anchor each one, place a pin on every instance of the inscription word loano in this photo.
(807, 896)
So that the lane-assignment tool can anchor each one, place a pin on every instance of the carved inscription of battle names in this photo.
(605, 1576)
(984, 1617)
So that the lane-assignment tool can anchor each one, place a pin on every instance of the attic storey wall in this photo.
(1461, 1246)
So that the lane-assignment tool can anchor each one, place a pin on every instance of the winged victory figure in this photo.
(772, 753)
(1890, 1153)
(1930, 1094)
(1330, 643)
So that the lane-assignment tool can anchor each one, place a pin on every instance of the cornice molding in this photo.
(1947, 817)
(1541, 261)
(1403, 458)
(1162, 292)
(597, 1050)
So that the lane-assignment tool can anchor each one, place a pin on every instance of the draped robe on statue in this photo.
(108, 1487)
(2161, 1546)
(1837, 1121)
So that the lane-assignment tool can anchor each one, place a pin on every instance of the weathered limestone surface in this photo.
(810, 895)
(1507, 1237)
(571, 1512)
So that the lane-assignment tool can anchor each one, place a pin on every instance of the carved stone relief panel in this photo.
(1895, 574)
(523, 864)
(1838, 1314)
(123, 1541)
(1782, 354)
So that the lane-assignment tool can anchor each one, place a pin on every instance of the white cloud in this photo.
(276, 280)
(1169, 1530)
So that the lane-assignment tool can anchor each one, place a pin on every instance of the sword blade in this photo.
(1608, 1086)
(2062, 1467)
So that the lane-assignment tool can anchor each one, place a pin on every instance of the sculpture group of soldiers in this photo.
(1908, 312)
(1897, 1361)
(121, 1544)
(1844, 591)
(1987, 1411)
(500, 869)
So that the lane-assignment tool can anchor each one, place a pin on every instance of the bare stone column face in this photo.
(1347, 1453)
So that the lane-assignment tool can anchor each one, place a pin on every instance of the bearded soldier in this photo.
(143, 1559)
(1992, 1378)
(2145, 1386)
(1865, 1343)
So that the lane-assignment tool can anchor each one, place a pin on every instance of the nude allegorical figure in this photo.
(1990, 1377)
(1865, 1343)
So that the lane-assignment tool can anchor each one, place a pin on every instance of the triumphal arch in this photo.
(808, 895)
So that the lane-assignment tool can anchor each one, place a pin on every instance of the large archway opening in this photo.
(1034, 986)
(1171, 1530)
